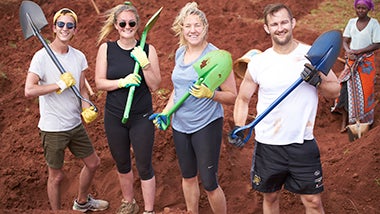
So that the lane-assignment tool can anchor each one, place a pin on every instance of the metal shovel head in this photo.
(152, 20)
(356, 131)
(31, 15)
(214, 68)
(325, 50)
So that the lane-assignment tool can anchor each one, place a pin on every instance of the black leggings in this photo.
(139, 132)
(201, 150)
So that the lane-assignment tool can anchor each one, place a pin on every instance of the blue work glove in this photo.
(236, 139)
(160, 120)
(311, 75)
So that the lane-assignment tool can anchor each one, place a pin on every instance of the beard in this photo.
(282, 41)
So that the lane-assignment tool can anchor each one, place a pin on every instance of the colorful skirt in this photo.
(358, 89)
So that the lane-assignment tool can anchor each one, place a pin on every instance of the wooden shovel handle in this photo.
(88, 86)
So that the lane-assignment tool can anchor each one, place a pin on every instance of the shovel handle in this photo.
(182, 100)
(132, 88)
(252, 125)
(131, 92)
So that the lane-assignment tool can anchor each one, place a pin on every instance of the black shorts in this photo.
(297, 167)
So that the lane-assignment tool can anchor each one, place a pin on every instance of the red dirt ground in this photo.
(351, 170)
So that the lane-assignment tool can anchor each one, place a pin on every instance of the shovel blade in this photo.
(214, 68)
(152, 20)
(325, 50)
(32, 18)
(356, 131)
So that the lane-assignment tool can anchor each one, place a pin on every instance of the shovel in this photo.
(147, 27)
(355, 131)
(322, 55)
(31, 26)
(212, 69)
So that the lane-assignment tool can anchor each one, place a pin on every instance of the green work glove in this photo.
(129, 80)
(66, 80)
(140, 56)
(89, 114)
(201, 91)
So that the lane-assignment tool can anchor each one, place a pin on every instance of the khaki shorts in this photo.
(55, 143)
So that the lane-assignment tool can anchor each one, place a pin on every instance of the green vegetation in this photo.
(343, 10)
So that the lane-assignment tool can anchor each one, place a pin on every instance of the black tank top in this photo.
(120, 64)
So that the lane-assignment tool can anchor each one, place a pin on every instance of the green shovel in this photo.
(147, 27)
(212, 69)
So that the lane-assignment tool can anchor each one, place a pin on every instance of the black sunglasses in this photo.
(69, 25)
(122, 24)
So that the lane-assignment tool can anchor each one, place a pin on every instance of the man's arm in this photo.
(246, 91)
(329, 87)
(33, 89)
(83, 90)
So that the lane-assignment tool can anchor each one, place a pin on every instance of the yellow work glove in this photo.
(89, 114)
(140, 56)
(66, 80)
(201, 91)
(129, 80)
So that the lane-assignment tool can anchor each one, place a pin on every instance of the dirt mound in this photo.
(351, 170)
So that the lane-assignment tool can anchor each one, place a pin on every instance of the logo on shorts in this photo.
(318, 182)
(256, 180)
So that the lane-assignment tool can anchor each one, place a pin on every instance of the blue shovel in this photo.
(322, 55)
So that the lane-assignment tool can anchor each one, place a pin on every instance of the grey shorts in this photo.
(297, 167)
(55, 143)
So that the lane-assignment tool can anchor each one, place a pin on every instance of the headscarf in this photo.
(369, 3)
(65, 11)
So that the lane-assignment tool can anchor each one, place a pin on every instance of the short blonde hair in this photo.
(111, 19)
(190, 8)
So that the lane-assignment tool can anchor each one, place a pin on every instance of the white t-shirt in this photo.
(58, 112)
(292, 120)
(362, 39)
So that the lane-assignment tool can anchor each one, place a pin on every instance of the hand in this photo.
(66, 80)
(311, 75)
(89, 114)
(160, 120)
(129, 80)
(201, 91)
(236, 139)
(140, 56)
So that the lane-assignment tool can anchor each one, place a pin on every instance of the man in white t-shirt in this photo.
(286, 153)
(60, 121)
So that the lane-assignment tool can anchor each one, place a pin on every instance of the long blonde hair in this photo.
(111, 16)
(190, 8)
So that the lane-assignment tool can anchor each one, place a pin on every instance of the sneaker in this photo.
(128, 207)
(91, 205)
(149, 212)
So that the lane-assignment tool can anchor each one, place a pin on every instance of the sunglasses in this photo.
(122, 24)
(69, 25)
